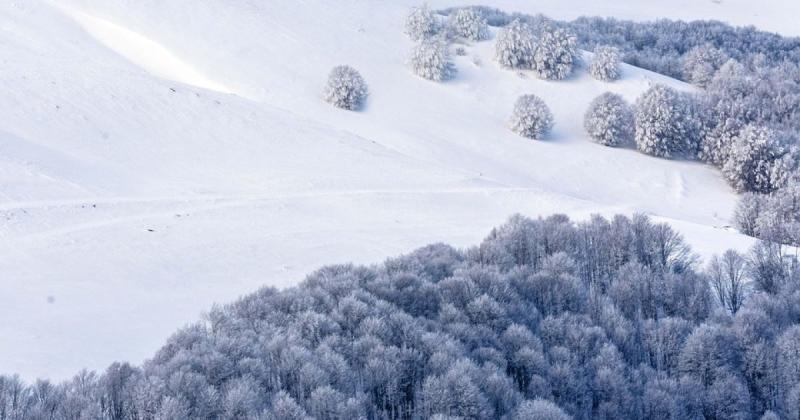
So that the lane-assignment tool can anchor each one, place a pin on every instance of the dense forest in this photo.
(546, 318)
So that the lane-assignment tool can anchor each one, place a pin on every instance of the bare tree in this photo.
(728, 279)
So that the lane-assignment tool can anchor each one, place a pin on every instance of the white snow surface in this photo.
(159, 157)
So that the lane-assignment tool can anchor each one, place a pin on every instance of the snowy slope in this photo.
(158, 157)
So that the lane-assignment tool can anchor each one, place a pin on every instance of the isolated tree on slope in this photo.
(609, 120)
(531, 117)
(759, 160)
(701, 63)
(430, 59)
(605, 63)
(664, 127)
(555, 53)
(346, 88)
(421, 23)
(515, 44)
(468, 24)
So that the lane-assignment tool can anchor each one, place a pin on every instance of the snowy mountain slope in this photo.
(157, 157)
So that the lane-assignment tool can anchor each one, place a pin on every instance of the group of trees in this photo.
(430, 57)
(774, 217)
(662, 45)
(545, 319)
(547, 50)
(744, 121)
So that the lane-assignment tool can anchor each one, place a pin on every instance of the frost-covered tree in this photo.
(555, 53)
(748, 93)
(540, 409)
(709, 354)
(747, 213)
(346, 88)
(792, 403)
(609, 120)
(531, 117)
(285, 407)
(728, 398)
(468, 24)
(701, 63)
(716, 144)
(778, 216)
(663, 123)
(727, 274)
(430, 59)
(515, 45)
(770, 415)
(789, 358)
(421, 23)
(605, 64)
(761, 160)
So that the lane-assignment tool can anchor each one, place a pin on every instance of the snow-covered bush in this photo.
(701, 63)
(430, 59)
(515, 44)
(664, 123)
(605, 63)
(531, 117)
(761, 160)
(609, 120)
(421, 23)
(555, 53)
(468, 24)
(346, 88)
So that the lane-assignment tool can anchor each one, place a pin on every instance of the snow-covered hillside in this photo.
(158, 157)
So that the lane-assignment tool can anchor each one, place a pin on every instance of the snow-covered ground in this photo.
(159, 157)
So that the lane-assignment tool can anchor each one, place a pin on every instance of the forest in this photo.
(546, 318)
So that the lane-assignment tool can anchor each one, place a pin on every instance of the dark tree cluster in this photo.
(545, 319)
